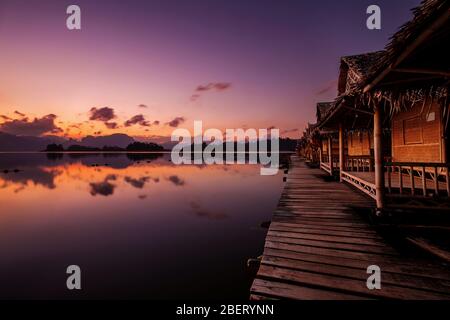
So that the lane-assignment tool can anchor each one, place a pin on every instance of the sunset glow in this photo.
(162, 60)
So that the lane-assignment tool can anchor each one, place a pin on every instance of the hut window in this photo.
(412, 131)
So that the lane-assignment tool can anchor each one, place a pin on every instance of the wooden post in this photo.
(413, 187)
(389, 169)
(436, 182)
(330, 154)
(448, 180)
(341, 151)
(378, 152)
(424, 181)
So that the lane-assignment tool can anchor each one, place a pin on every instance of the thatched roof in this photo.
(424, 16)
(311, 126)
(401, 69)
(322, 110)
(355, 70)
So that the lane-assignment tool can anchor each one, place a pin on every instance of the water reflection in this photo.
(202, 212)
(27, 170)
(20, 179)
(104, 188)
(176, 180)
(137, 183)
(138, 225)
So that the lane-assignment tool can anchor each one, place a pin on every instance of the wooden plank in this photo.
(322, 237)
(400, 280)
(430, 248)
(327, 232)
(347, 247)
(331, 252)
(259, 297)
(322, 222)
(367, 230)
(433, 273)
(427, 269)
(289, 291)
(349, 286)
(318, 247)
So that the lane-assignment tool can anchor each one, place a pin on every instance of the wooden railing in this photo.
(325, 163)
(359, 163)
(335, 159)
(325, 166)
(361, 184)
(418, 178)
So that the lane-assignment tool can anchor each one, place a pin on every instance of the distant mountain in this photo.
(9, 142)
(163, 141)
(285, 145)
(115, 140)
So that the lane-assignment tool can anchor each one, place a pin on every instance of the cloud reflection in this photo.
(176, 180)
(37, 176)
(104, 188)
(137, 183)
(199, 211)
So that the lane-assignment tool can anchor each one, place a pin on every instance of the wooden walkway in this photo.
(318, 247)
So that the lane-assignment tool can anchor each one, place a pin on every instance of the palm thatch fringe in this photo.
(396, 100)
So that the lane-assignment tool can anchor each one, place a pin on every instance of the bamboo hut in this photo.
(329, 151)
(392, 114)
(356, 126)
(310, 145)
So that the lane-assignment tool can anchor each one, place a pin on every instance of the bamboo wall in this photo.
(325, 146)
(359, 143)
(416, 135)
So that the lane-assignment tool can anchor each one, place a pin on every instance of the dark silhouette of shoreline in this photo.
(132, 147)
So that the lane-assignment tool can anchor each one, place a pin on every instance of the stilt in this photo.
(330, 154)
(341, 151)
(378, 150)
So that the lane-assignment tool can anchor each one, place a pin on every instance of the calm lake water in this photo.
(137, 225)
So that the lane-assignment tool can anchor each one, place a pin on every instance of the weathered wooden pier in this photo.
(319, 247)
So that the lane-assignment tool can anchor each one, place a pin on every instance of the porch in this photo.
(319, 246)
(328, 166)
(410, 181)
(392, 184)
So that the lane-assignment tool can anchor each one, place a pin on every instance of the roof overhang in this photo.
(344, 112)
(424, 60)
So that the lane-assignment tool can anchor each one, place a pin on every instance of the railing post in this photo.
(413, 187)
(341, 151)
(424, 182)
(389, 169)
(330, 154)
(436, 182)
(448, 180)
(378, 150)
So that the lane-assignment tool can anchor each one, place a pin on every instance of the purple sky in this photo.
(280, 57)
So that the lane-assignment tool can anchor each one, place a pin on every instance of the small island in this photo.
(142, 146)
(132, 147)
